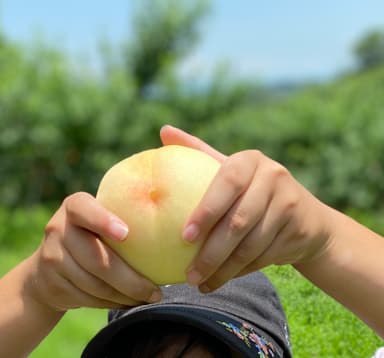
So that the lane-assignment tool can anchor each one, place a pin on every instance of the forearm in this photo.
(351, 270)
(24, 322)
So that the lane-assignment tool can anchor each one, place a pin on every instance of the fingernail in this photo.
(194, 277)
(191, 232)
(155, 297)
(118, 230)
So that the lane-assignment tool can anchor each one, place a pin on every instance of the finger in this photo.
(67, 283)
(224, 190)
(234, 266)
(229, 234)
(255, 251)
(83, 210)
(265, 260)
(288, 247)
(68, 296)
(101, 261)
(92, 285)
(283, 250)
(171, 135)
(256, 246)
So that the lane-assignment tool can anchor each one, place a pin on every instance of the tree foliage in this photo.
(61, 128)
(369, 50)
(164, 32)
(330, 136)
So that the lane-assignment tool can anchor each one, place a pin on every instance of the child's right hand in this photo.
(74, 268)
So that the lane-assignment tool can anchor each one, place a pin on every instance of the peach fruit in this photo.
(154, 192)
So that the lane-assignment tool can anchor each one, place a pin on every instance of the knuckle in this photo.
(50, 258)
(301, 233)
(255, 153)
(69, 205)
(291, 204)
(71, 202)
(239, 223)
(249, 154)
(50, 228)
(279, 171)
(53, 226)
(232, 176)
(233, 168)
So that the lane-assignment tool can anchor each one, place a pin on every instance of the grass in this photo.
(319, 326)
(72, 334)
(75, 329)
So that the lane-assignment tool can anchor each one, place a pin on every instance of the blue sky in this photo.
(270, 40)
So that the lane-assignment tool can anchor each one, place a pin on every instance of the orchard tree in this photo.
(61, 126)
(369, 50)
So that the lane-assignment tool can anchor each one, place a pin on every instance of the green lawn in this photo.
(319, 326)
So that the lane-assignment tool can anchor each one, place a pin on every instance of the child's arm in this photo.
(72, 268)
(256, 214)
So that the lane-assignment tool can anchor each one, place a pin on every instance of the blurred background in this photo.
(84, 84)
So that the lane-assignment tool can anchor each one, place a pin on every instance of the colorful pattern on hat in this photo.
(250, 338)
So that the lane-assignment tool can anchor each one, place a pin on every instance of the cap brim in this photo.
(239, 335)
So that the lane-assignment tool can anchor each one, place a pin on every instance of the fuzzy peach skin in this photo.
(154, 192)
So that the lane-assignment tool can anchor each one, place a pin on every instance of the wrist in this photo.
(23, 317)
(32, 290)
(321, 237)
(341, 242)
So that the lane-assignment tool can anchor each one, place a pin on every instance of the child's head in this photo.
(243, 316)
(164, 339)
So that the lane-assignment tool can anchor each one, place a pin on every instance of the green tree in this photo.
(164, 32)
(330, 136)
(369, 50)
(60, 128)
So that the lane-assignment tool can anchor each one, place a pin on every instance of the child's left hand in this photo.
(254, 214)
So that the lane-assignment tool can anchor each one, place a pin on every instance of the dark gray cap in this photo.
(246, 314)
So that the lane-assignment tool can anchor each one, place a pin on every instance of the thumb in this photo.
(171, 135)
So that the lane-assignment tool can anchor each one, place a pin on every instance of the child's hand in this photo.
(253, 215)
(74, 268)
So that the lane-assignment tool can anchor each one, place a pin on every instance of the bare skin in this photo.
(72, 268)
(255, 214)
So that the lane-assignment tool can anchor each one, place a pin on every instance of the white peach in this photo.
(154, 192)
